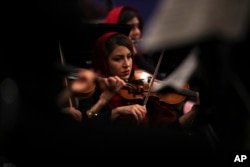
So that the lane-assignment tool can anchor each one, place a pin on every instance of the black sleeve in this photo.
(143, 64)
(85, 104)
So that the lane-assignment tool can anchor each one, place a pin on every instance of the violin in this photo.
(84, 83)
(140, 87)
(145, 83)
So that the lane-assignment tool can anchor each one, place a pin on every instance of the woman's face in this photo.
(120, 62)
(135, 32)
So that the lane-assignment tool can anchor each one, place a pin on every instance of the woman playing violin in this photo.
(113, 62)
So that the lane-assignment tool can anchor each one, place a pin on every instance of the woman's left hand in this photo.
(110, 86)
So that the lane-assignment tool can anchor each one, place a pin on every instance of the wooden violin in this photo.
(140, 87)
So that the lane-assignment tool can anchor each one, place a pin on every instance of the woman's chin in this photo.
(125, 77)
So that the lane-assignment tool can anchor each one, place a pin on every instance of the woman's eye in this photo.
(117, 59)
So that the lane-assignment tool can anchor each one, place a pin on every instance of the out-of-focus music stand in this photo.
(221, 30)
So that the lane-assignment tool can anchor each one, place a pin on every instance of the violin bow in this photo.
(65, 78)
(153, 78)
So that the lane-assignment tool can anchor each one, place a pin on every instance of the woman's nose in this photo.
(126, 63)
(135, 32)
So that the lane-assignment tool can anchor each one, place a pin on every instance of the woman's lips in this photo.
(126, 72)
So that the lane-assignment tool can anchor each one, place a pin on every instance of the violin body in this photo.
(141, 85)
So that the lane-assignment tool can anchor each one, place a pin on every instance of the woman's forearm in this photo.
(103, 100)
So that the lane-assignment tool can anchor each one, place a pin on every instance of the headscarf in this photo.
(113, 16)
(99, 59)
